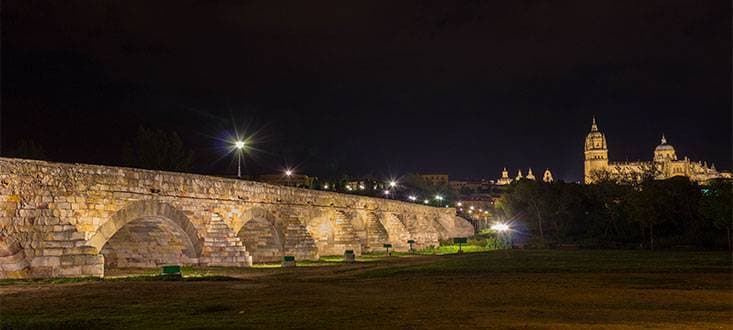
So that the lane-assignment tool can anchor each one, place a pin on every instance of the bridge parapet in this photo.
(60, 219)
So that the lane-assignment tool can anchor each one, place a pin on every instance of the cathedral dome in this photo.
(664, 151)
(664, 146)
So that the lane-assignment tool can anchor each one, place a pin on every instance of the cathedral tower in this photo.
(596, 152)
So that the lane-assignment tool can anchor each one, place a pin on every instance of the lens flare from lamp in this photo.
(500, 227)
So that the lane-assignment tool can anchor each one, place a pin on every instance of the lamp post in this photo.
(240, 147)
(392, 187)
(288, 174)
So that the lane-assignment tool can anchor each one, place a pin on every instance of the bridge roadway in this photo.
(68, 220)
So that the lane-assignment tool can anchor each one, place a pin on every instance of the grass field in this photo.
(520, 289)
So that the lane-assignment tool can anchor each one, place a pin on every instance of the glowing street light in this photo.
(438, 197)
(240, 149)
(505, 232)
(412, 198)
(500, 227)
(288, 172)
(426, 201)
(386, 193)
(393, 184)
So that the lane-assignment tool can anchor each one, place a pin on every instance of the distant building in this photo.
(547, 177)
(475, 186)
(505, 179)
(435, 179)
(293, 180)
(665, 163)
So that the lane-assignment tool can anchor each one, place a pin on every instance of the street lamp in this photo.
(500, 227)
(412, 198)
(503, 229)
(386, 193)
(240, 147)
(288, 174)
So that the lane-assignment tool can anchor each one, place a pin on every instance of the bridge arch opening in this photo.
(323, 233)
(147, 234)
(149, 242)
(263, 240)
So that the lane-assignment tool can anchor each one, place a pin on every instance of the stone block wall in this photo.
(70, 219)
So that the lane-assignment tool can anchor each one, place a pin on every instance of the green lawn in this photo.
(521, 289)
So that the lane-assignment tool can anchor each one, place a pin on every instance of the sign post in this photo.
(388, 246)
(411, 241)
(459, 241)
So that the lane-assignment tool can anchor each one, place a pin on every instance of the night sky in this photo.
(381, 87)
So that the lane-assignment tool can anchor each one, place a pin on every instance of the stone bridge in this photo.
(67, 220)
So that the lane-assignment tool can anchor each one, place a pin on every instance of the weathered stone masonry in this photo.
(61, 220)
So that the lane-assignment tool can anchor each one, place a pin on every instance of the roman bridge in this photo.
(67, 220)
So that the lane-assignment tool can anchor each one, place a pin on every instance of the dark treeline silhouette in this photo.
(652, 214)
(157, 149)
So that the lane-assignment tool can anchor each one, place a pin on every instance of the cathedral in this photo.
(664, 165)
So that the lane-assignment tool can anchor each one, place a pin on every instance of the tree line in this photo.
(612, 213)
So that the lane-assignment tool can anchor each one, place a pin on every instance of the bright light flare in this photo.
(239, 144)
(288, 172)
(500, 227)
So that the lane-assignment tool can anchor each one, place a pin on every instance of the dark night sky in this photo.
(461, 87)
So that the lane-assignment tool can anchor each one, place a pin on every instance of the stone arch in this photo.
(262, 235)
(323, 232)
(148, 233)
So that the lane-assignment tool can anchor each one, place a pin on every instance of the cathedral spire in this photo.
(664, 140)
(594, 127)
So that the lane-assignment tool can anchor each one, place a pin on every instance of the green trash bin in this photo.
(171, 271)
(288, 261)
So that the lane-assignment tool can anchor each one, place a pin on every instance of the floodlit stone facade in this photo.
(664, 164)
(67, 220)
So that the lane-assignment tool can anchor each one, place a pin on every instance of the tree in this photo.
(28, 149)
(717, 206)
(524, 200)
(157, 149)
